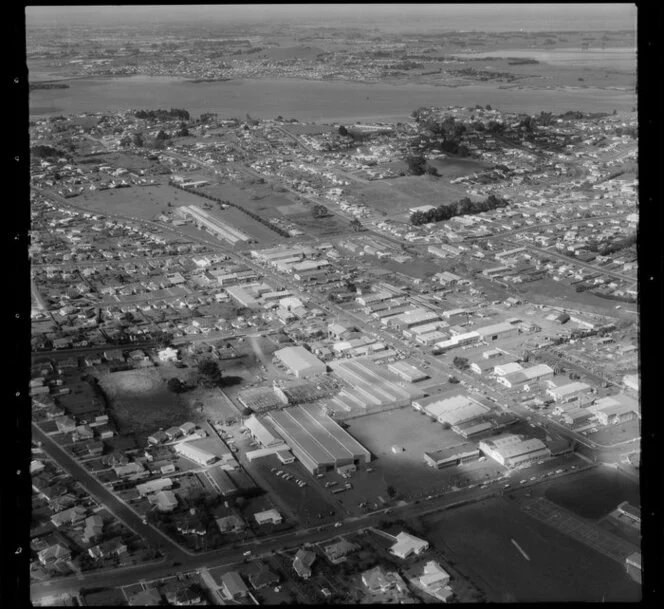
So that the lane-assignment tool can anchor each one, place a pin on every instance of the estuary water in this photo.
(310, 100)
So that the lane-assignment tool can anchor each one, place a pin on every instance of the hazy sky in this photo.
(488, 17)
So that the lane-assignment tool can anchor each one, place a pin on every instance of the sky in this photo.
(481, 17)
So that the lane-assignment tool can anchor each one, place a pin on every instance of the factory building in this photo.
(615, 409)
(452, 410)
(194, 453)
(415, 317)
(577, 417)
(496, 331)
(448, 457)
(571, 392)
(514, 451)
(540, 372)
(467, 338)
(317, 441)
(407, 372)
(371, 386)
(300, 362)
(242, 296)
(213, 224)
(262, 432)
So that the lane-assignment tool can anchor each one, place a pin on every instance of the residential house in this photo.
(337, 552)
(263, 577)
(54, 554)
(302, 563)
(406, 545)
(233, 586)
(94, 525)
(145, 598)
(69, 516)
(231, 524)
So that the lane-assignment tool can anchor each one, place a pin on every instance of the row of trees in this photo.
(277, 229)
(463, 207)
(161, 114)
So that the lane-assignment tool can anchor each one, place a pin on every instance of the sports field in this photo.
(145, 202)
(557, 569)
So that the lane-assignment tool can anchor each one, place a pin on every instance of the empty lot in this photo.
(559, 568)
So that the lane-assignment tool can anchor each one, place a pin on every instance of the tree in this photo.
(184, 130)
(416, 164)
(356, 225)
(175, 385)
(343, 130)
(432, 170)
(210, 370)
(162, 135)
(138, 139)
(454, 380)
(391, 492)
(461, 363)
(319, 211)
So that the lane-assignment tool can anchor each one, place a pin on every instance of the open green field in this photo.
(141, 402)
(394, 197)
(558, 568)
(145, 202)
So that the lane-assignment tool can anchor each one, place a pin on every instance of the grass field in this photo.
(141, 402)
(594, 494)
(145, 202)
(396, 196)
(559, 568)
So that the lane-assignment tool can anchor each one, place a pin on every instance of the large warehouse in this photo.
(514, 451)
(316, 440)
(453, 410)
(300, 362)
(371, 387)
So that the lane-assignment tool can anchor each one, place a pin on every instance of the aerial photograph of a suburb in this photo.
(333, 304)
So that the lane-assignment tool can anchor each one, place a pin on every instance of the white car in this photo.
(337, 525)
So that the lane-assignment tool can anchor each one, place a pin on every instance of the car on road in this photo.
(523, 481)
(507, 485)
(533, 478)
(559, 471)
(337, 525)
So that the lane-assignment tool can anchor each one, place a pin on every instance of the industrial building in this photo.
(407, 372)
(615, 409)
(371, 387)
(467, 338)
(571, 392)
(540, 372)
(448, 457)
(514, 451)
(214, 225)
(451, 410)
(262, 432)
(194, 453)
(300, 362)
(316, 440)
(415, 317)
(496, 331)
(242, 296)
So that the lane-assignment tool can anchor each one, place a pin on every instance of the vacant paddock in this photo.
(141, 402)
(557, 569)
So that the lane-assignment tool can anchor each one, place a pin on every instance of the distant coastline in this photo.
(35, 86)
